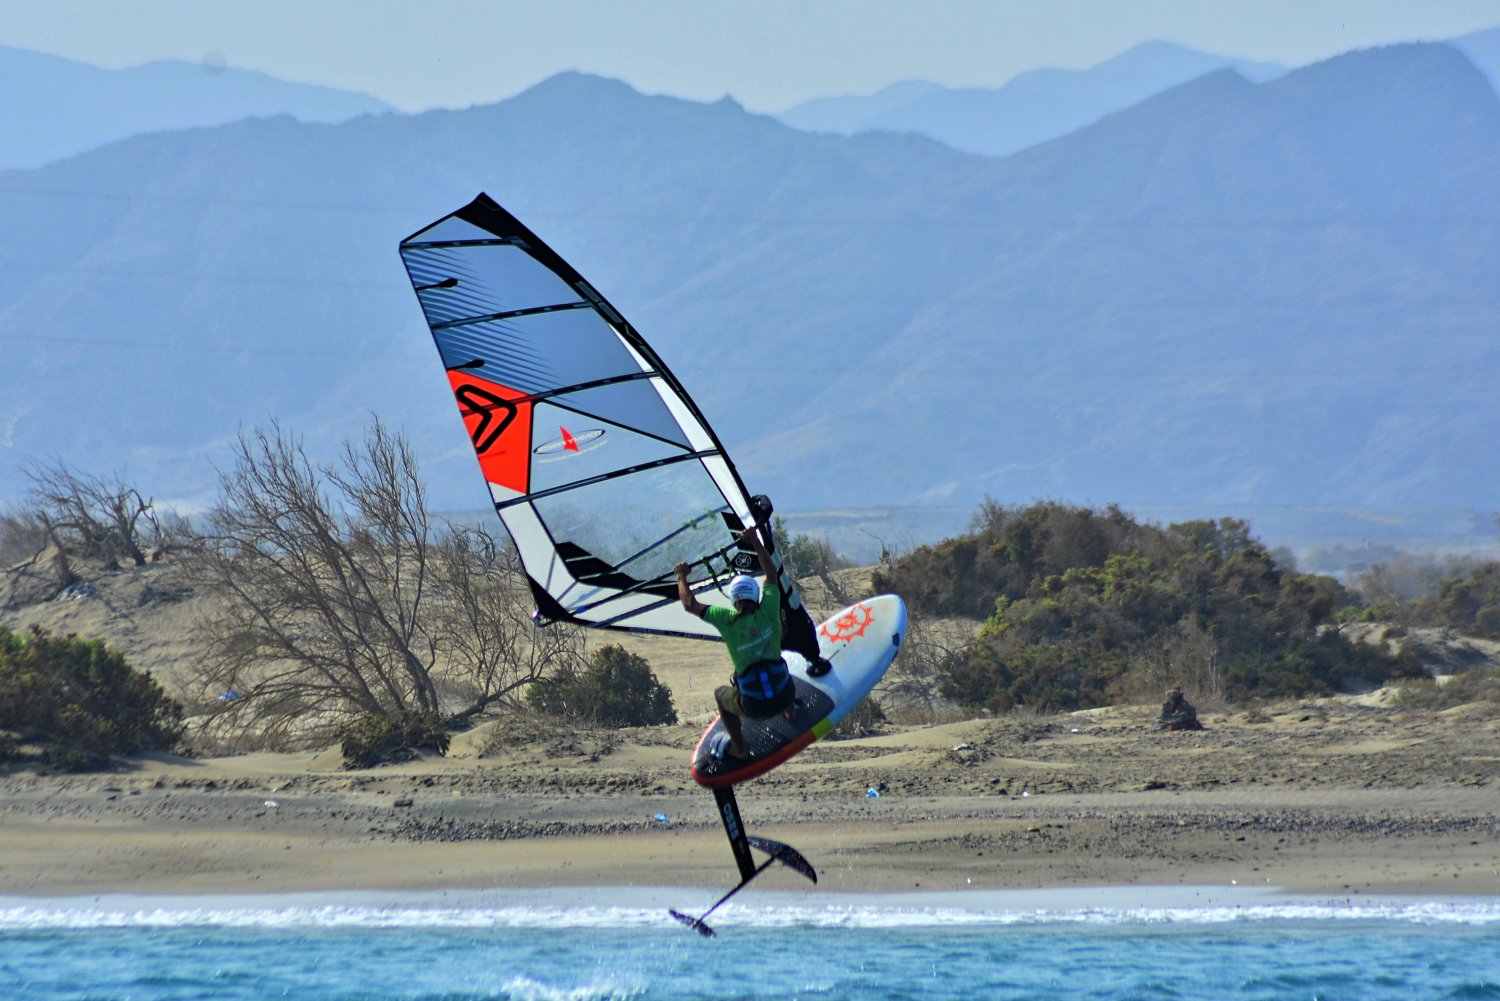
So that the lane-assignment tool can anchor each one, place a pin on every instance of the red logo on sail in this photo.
(498, 420)
(569, 443)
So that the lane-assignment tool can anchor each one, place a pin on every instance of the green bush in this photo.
(1460, 689)
(1085, 606)
(1451, 592)
(374, 739)
(1469, 604)
(80, 701)
(1006, 549)
(616, 689)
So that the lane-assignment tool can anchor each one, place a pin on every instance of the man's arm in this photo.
(685, 594)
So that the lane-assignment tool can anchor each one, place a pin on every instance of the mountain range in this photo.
(1231, 292)
(1482, 48)
(1044, 104)
(1031, 108)
(58, 107)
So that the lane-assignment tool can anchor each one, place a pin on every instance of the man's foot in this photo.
(727, 750)
(819, 667)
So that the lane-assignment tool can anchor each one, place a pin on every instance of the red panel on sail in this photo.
(499, 426)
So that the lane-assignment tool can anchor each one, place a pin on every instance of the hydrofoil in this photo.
(860, 642)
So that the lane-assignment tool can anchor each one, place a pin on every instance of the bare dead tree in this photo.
(23, 537)
(62, 566)
(95, 517)
(913, 685)
(828, 560)
(338, 601)
(495, 647)
(1186, 656)
(27, 540)
(318, 615)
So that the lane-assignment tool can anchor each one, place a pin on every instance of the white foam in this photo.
(647, 909)
(528, 989)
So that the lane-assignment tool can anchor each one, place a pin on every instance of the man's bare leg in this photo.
(736, 734)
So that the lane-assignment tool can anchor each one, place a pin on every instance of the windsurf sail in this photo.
(600, 466)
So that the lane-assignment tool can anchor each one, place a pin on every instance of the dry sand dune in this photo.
(1344, 796)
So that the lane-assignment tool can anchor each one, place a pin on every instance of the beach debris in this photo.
(229, 696)
(872, 793)
(661, 818)
(402, 802)
(271, 804)
(964, 747)
(76, 592)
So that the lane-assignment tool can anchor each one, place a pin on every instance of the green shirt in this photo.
(750, 636)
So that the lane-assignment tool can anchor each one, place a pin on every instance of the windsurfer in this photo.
(762, 686)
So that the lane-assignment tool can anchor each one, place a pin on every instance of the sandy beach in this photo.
(1317, 798)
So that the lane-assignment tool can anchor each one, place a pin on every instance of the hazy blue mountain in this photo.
(848, 115)
(1231, 293)
(1483, 50)
(1251, 279)
(1032, 108)
(56, 107)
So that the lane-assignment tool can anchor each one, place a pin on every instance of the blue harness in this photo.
(765, 688)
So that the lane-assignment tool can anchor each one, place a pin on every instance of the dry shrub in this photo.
(1185, 657)
(1470, 687)
(910, 693)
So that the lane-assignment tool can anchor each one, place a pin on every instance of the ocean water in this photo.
(608, 944)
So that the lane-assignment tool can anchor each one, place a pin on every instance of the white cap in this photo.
(743, 587)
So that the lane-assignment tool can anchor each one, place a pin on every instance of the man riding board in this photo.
(762, 686)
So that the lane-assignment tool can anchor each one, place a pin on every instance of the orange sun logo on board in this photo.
(846, 627)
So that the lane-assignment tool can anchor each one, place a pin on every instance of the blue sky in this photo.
(768, 54)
